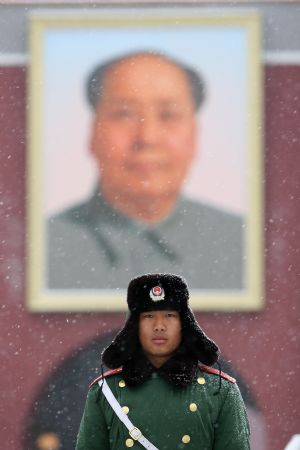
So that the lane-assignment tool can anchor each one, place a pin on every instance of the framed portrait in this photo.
(145, 156)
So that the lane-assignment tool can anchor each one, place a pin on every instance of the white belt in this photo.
(134, 432)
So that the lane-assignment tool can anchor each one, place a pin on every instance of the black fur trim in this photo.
(137, 370)
(198, 345)
(125, 346)
(179, 370)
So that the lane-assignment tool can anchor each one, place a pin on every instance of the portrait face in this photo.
(159, 334)
(143, 136)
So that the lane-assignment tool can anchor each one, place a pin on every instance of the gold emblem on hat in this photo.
(157, 293)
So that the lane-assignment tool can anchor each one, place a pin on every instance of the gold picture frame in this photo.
(225, 43)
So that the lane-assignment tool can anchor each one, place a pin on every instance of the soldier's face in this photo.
(159, 334)
(144, 131)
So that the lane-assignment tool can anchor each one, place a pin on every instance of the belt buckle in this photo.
(135, 433)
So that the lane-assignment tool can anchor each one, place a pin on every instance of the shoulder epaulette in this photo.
(106, 374)
(214, 371)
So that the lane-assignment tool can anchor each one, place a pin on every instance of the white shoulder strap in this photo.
(134, 432)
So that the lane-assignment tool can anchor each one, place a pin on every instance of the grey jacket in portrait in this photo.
(93, 246)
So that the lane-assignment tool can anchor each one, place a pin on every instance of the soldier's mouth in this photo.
(159, 341)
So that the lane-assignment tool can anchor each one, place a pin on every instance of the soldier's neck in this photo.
(158, 361)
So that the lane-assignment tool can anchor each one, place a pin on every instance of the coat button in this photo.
(129, 443)
(193, 407)
(122, 383)
(125, 409)
(186, 439)
(201, 380)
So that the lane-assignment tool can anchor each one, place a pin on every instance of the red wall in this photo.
(264, 347)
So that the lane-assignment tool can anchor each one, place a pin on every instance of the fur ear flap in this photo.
(196, 342)
(124, 346)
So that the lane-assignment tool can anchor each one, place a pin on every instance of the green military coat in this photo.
(201, 416)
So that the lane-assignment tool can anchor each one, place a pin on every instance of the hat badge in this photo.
(157, 293)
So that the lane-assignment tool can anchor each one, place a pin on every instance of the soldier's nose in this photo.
(159, 326)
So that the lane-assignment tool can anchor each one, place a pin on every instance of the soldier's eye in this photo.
(147, 316)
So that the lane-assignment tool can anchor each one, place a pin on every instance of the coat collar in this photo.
(179, 370)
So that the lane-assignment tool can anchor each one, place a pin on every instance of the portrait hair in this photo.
(96, 79)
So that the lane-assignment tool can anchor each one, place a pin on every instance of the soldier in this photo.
(162, 392)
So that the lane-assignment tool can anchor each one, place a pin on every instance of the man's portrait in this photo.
(146, 199)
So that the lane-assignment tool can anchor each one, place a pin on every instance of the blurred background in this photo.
(48, 360)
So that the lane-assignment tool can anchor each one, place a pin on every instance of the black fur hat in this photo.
(153, 292)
